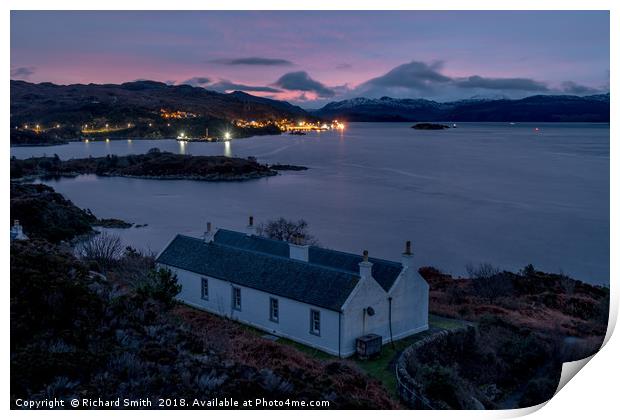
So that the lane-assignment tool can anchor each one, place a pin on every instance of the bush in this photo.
(104, 248)
(160, 285)
(538, 391)
(440, 384)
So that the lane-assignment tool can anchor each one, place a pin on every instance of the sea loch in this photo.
(481, 192)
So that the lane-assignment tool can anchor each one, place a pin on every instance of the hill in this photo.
(540, 108)
(141, 109)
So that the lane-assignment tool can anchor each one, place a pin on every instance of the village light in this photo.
(227, 135)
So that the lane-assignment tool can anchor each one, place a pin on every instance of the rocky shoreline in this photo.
(152, 165)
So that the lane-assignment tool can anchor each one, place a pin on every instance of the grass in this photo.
(382, 367)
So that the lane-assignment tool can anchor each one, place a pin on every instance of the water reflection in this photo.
(181, 147)
(458, 193)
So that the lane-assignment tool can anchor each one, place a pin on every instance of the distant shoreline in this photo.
(152, 165)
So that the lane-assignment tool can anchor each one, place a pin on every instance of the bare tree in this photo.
(104, 249)
(284, 230)
(489, 282)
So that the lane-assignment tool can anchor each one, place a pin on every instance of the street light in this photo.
(227, 135)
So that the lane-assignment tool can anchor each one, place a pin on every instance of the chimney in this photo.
(365, 267)
(209, 233)
(407, 259)
(297, 249)
(250, 229)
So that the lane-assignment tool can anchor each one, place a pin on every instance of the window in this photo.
(236, 298)
(274, 309)
(204, 288)
(315, 322)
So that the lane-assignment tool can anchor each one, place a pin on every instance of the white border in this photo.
(592, 395)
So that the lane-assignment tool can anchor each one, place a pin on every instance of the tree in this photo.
(284, 230)
(489, 282)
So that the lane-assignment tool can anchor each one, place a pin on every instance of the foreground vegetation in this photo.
(526, 325)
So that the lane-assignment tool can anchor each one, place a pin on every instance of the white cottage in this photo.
(322, 298)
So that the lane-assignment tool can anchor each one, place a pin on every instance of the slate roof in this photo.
(384, 271)
(326, 280)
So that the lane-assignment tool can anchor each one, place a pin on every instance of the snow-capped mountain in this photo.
(539, 108)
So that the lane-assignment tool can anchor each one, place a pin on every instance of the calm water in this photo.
(498, 193)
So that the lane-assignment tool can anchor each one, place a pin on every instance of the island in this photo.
(429, 126)
(153, 165)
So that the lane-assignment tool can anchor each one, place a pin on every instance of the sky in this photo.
(314, 57)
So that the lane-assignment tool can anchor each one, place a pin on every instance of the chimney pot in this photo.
(251, 229)
(407, 258)
(208, 227)
(365, 266)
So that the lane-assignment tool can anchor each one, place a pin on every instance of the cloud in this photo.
(415, 75)
(344, 66)
(226, 85)
(300, 80)
(427, 79)
(573, 88)
(253, 61)
(197, 81)
(516, 83)
(22, 72)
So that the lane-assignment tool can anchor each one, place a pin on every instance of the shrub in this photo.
(104, 248)
(160, 285)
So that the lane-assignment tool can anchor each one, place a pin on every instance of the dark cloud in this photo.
(344, 66)
(22, 72)
(516, 83)
(226, 85)
(577, 89)
(414, 75)
(253, 61)
(300, 80)
(197, 81)
(418, 78)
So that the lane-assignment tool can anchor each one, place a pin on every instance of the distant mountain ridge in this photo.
(539, 108)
